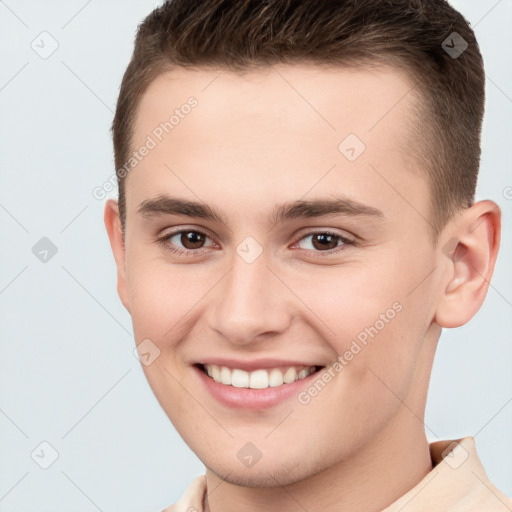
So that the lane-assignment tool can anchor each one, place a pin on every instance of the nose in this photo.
(250, 303)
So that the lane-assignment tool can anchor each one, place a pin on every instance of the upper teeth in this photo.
(257, 379)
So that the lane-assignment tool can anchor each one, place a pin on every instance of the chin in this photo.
(260, 479)
(263, 475)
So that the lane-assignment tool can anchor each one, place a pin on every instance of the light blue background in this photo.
(67, 372)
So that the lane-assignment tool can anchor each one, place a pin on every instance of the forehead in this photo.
(280, 128)
(334, 98)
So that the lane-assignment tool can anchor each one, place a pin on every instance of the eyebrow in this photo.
(167, 205)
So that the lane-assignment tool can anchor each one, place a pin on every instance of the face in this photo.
(279, 268)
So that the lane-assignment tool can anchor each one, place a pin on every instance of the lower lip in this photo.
(253, 399)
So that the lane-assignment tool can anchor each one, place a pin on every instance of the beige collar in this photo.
(457, 483)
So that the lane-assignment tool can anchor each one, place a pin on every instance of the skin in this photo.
(255, 141)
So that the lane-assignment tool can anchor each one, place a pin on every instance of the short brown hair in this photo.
(408, 34)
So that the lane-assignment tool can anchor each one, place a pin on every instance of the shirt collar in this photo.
(457, 482)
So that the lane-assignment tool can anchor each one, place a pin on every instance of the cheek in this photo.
(393, 349)
(163, 297)
(351, 302)
(372, 323)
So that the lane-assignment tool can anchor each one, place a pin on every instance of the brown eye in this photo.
(192, 239)
(185, 242)
(323, 242)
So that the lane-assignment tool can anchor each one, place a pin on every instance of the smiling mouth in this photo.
(257, 379)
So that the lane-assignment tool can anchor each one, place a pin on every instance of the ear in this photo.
(115, 235)
(469, 255)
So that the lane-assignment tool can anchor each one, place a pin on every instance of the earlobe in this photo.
(113, 225)
(469, 257)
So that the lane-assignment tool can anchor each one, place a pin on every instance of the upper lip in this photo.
(255, 364)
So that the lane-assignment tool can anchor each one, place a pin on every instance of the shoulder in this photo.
(192, 498)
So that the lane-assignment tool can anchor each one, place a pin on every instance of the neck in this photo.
(369, 481)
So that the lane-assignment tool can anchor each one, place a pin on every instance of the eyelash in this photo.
(164, 242)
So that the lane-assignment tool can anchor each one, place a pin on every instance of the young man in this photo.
(295, 226)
